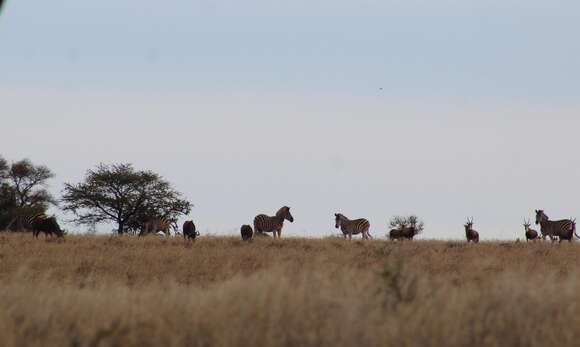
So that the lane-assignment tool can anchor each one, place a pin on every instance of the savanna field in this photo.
(220, 291)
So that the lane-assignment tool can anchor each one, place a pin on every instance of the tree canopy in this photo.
(23, 191)
(120, 194)
(402, 222)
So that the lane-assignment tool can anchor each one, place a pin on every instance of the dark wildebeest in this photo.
(189, 231)
(40, 223)
(470, 233)
(531, 234)
(274, 224)
(403, 233)
(247, 232)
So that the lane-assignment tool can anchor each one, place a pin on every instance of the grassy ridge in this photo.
(91, 291)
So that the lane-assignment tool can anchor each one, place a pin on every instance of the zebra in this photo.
(470, 233)
(154, 225)
(189, 231)
(267, 224)
(352, 227)
(531, 234)
(40, 223)
(247, 232)
(564, 229)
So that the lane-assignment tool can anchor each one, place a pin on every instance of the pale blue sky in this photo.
(250, 105)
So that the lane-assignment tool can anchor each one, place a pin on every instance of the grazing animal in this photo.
(267, 224)
(154, 225)
(564, 229)
(189, 231)
(352, 227)
(470, 233)
(40, 223)
(531, 234)
(403, 233)
(247, 232)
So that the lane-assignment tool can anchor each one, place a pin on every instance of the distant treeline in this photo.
(109, 193)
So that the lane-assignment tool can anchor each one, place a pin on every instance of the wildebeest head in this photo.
(55, 228)
(285, 212)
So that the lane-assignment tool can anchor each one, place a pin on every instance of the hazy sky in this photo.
(446, 109)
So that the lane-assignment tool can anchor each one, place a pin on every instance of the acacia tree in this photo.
(411, 224)
(23, 190)
(29, 182)
(3, 169)
(118, 193)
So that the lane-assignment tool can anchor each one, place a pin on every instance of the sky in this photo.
(445, 109)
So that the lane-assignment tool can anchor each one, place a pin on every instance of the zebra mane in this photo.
(283, 211)
(341, 216)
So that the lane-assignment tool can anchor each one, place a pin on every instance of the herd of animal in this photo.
(562, 230)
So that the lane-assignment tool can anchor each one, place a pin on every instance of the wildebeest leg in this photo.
(279, 233)
(350, 235)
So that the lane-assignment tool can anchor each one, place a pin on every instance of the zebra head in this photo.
(541, 216)
(338, 220)
(285, 213)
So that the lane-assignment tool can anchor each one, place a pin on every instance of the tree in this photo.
(3, 169)
(23, 191)
(405, 227)
(118, 193)
(412, 221)
(29, 182)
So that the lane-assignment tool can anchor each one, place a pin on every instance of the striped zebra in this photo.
(470, 234)
(564, 229)
(531, 234)
(155, 225)
(352, 227)
(41, 223)
(267, 224)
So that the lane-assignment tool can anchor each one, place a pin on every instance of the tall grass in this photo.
(102, 291)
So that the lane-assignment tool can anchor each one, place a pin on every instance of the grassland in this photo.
(117, 291)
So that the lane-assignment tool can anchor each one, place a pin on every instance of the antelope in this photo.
(531, 234)
(470, 233)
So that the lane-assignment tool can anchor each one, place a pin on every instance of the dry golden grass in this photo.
(103, 291)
